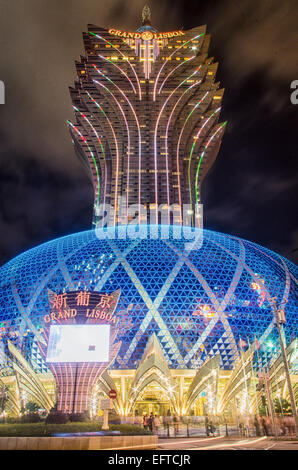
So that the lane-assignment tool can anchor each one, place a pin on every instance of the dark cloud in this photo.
(41, 39)
(39, 203)
(252, 188)
(256, 35)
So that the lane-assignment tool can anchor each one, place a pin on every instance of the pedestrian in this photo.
(145, 421)
(211, 428)
(282, 426)
(265, 427)
(165, 421)
(150, 422)
(291, 425)
(176, 425)
(287, 425)
(156, 424)
(138, 420)
(257, 426)
(207, 426)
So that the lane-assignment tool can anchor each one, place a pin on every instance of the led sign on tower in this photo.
(78, 343)
(146, 35)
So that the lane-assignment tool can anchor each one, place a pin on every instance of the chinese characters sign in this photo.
(82, 307)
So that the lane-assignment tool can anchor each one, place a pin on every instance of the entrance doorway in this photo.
(159, 408)
(153, 399)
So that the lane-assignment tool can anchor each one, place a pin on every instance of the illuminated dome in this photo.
(197, 302)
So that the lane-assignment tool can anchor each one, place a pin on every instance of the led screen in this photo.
(79, 343)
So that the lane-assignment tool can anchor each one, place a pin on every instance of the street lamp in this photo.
(279, 321)
(269, 400)
(278, 392)
(280, 402)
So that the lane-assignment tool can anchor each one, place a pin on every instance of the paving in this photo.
(227, 443)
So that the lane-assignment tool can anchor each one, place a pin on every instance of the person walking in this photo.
(176, 425)
(164, 421)
(257, 426)
(138, 420)
(287, 425)
(265, 427)
(156, 424)
(211, 428)
(150, 422)
(207, 426)
(145, 421)
(282, 426)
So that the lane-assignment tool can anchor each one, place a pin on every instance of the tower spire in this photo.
(146, 15)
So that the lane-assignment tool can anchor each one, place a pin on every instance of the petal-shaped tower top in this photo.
(147, 107)
(146, 16)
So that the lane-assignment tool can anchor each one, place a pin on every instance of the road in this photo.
(226, 443)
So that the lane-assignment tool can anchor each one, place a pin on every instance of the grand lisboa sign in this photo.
(145, 35)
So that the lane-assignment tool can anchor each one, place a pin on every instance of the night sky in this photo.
(252, 190)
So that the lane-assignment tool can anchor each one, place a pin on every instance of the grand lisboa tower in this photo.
(147, 128)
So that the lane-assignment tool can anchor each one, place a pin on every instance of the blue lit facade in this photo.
(198, 302)
(147, 128)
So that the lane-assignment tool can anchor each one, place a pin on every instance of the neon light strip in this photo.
(66, 391)
(147, 63)
(88, 385)
(192, 150)
(70, 376)
(178, 148)
(172, 71)
(167, 132)
(72, 380)
(80, 397)
(128, 147)
(86, 370)
(171, 55)
(54, 372)
(113, 132)
(155, 139)
(100, 369)
(100, 37)
(119, 68)
(202, 155)
(138, 126)
(91, 153)
(102, 149)
(61, 387)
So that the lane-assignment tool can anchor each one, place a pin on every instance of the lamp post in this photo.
(279, 321)
(226, 423)
(269, 401)
(280, 402)
(278, 393)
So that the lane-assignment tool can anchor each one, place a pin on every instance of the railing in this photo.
(196, 426)
(188, 427)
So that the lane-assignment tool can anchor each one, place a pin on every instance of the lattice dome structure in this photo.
(198, 302)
